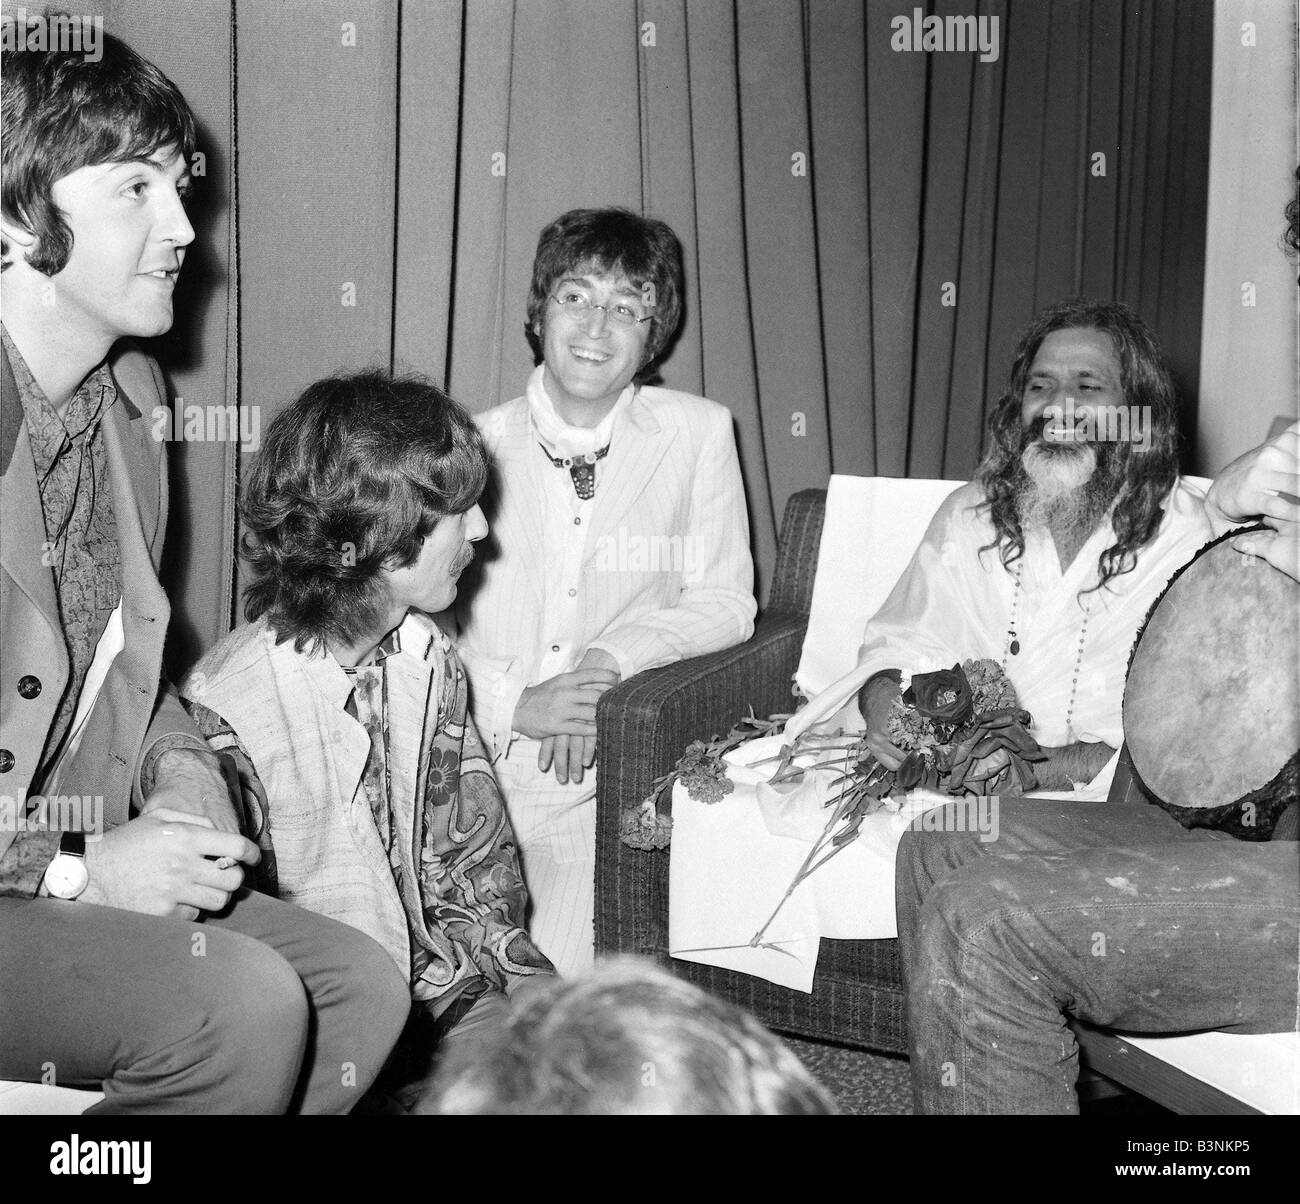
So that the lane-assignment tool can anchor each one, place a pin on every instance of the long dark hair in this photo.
(351, 478)
(1147, 473)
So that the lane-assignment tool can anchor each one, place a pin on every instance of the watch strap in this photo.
(73, 844)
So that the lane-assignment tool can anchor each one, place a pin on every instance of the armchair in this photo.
(644, 724)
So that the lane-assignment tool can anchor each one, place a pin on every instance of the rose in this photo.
(943, 696)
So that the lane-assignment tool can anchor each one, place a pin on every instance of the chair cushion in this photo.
(872, 528)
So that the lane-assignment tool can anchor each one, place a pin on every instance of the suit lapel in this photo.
(132, 377)
(11, 411)
(638, 445)
(412, 716)
(519, 458)
(23, 545)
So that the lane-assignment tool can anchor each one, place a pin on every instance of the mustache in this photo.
(1036, 433)
(1108, 451)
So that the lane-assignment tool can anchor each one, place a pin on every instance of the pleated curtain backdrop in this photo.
(193, 43)
(866, 228)
(834, 197)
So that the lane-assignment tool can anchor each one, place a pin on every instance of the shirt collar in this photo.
(390, 645)
(50, 433)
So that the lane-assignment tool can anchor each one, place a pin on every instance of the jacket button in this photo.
(29, 686)
(6, 760)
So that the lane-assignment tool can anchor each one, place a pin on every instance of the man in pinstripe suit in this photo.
(623, 543)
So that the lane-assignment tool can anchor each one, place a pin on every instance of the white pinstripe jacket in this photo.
(666, 571)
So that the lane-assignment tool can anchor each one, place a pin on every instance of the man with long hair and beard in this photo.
(1111, 913)
(1048, 560)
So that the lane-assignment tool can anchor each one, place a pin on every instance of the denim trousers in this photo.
(1111, 913)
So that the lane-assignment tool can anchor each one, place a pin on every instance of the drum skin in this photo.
(1212, 697)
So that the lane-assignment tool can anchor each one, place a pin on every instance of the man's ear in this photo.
(19, 240)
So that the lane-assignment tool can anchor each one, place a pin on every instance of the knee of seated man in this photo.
(929, 855)
(972, 904)
(252, 993)
(365, 991)
(234, 1014)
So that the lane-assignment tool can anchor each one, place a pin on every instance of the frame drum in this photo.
(1212, 697)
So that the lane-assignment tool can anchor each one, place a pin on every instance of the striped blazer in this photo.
(666, 571)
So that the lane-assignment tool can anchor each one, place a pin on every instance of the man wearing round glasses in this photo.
(620, 516)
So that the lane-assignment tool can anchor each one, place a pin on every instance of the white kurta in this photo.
(654, 569)
(954, 602)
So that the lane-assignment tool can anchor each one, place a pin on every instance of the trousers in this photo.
(556, 829)
(1108, 912)
(265, 1008)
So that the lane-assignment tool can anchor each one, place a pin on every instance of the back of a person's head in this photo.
(628, 1038)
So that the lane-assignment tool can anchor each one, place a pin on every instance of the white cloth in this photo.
(732, 861)
(954, 603)
(655, 568)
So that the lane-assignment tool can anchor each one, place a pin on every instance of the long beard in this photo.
(1067, 489)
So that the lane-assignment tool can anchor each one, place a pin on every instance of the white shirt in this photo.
(954, 603)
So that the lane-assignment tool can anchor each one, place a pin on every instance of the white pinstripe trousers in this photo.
(556, 829)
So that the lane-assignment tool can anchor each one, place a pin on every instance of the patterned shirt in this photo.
(81, 532)
(465, 913)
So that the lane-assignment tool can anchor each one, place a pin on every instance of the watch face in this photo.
(66, 876)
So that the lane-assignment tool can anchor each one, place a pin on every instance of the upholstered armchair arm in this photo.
(643, 725)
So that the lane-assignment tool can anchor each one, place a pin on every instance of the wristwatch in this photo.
(66, 876)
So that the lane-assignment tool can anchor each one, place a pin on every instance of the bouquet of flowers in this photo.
(702, 771)
(949, 724)
(949, 721)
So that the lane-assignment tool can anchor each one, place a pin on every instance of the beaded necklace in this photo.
(581, 468)
(1012, 648)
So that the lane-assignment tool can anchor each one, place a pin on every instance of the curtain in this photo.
(193, 44)
(866, 229)
(1250, 380)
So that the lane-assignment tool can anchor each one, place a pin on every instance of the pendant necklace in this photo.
(1012, 648)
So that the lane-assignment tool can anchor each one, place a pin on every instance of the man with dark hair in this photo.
(344, 705)
(1048, 560)
(121, 987)
(1110, 913)
(620, 515)
(628, 1039)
